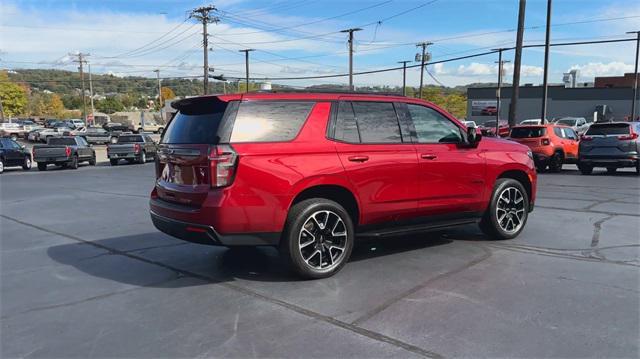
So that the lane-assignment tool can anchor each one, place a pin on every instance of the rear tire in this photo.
(611, 170)
(42, 166)
(74, 163)
(27, 163)
(92, 161)
(508, 210)
(318, 238)
(114, 162)
(585, 169)
(1, 166)
(555, 162)
(143, 158)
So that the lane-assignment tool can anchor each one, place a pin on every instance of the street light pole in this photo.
(157, 71)
(351, 31)
(93, 109)
(246, 64)
(404, 76)
(513, 105)
(635, 79)
(545, 87)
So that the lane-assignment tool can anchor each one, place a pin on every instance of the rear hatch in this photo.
(190, 159)
(606, 140)
(531, 136)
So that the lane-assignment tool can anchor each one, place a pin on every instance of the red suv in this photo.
(310, 172)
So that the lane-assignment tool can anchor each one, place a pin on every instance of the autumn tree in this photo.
(167, 94)
(12, 95)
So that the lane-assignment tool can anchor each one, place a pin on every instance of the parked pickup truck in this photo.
(133, 148)
(66, 151)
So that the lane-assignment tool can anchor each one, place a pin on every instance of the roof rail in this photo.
(345, 92)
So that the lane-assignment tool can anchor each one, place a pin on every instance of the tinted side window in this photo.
(346, 128)
(377, 122)
(558, 131)
(432, 127)
(269, 121)
(570, 133)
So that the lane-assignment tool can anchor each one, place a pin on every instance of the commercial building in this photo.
(562, 101)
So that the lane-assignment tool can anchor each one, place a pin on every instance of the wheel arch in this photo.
(334, 192)
(520, 176)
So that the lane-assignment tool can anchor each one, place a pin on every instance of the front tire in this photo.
(611, 170)
(1, 166)
(92, 161)
(143, 158)
(318, 238)
(508, 210)
(27, 163)
(42, 166)
(113, 161)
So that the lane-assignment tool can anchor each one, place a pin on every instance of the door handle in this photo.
(428, 156)
(358, 158)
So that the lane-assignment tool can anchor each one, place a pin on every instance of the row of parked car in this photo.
(611, 145)
(70, 151)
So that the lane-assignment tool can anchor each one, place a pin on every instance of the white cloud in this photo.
(476, 69)
(593, 69)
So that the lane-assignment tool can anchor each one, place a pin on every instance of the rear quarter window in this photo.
(269, 121)
(196, 123)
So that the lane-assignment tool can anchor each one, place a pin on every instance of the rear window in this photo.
(269, 121)
(196, 122)
(528, 132)
(609, 129)
(129, 139)
(567, 122)
(62, 141)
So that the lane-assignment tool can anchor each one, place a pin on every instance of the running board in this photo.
(396, 231)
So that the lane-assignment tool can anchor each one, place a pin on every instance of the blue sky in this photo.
(39, 34)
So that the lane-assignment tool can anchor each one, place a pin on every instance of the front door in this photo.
(451, 176)
(379, 162)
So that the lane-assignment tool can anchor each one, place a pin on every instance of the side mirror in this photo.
(473, 136)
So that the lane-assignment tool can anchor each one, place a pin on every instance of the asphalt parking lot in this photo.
(85, 274)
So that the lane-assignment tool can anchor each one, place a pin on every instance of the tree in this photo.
(45, 105)
(12, 95)
(110, 105)
(167, 94)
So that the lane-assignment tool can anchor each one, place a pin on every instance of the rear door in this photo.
(182, 165)
(84, 151)
(571, 143)
(451, 176)
(379, 159)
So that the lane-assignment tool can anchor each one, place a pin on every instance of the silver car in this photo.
(579, 124)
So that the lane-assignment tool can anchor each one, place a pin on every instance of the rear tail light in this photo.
(586, 138)
(136, 147)
(631, 136)
(67, 151)
(546, 142)
(222, 165)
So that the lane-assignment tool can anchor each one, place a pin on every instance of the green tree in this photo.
(12, 95)
(456, 104)
(110, 105)
(45, 105)
(72, 102)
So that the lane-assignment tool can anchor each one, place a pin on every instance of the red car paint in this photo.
(389, 182)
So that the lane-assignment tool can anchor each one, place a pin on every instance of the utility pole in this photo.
(157, 71)
(350, 41)
(203, 14)
(635, 80)
(499, 90)
(545, 85)
(246, 65)
(404, 76)
(81, 60)
(423, 59)
(93, 109)
(513, 106)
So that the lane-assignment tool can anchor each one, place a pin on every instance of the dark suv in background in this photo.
(309, 172)
(611, 145)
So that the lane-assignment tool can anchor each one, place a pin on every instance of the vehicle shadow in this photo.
(158, 253)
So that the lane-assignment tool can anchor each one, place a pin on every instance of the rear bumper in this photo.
(203, 234)
(114, 156)
(625, 160)
(51, 159)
